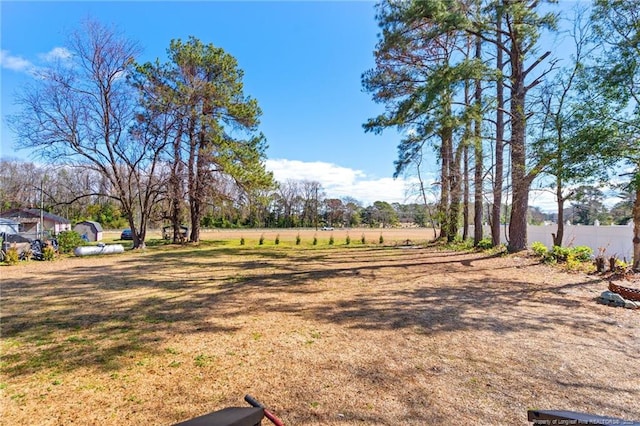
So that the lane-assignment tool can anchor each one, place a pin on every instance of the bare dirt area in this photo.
(388, 334)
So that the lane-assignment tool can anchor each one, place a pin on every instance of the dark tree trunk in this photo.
(465, 165)
(477, 178)
(192, 180)
(175, 190)
(520, 180)
(559, 235)
(496, 210)
(518, 223)
(196, 215)
(445, 185)
(465, 208)
(636, 231)
(199, 195)
(455, 177)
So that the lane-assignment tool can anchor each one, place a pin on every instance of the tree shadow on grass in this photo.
(127, 307)
(470, 306)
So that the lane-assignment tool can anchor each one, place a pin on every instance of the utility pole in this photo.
(316, 218)
(41, 233)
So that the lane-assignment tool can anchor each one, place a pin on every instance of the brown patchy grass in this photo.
(321, 334)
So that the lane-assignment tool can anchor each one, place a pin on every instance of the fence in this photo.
(614, 240)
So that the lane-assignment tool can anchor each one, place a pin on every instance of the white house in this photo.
(35, 223)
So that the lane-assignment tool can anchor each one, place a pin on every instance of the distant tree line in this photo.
(291, 204)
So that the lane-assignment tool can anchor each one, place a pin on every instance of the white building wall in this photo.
(615, 240)
(612, 240)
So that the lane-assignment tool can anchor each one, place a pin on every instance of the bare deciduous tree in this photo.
(80, 113)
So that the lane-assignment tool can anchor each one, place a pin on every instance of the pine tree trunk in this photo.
(496, 210)
(520, 180)
(477, 178)
(192, 180)
(198, 196)
(195, 223)
(518, 223)
(456, 195)
(520, 197)
(443, 208)
(175, 190)
(456, 188)
(465, 197)
(636, 231)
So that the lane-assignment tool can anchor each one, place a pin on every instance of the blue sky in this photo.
(302, 62)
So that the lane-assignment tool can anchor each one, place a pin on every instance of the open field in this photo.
(375, 334)
(391, 236)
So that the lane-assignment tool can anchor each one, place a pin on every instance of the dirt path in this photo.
(331, 335)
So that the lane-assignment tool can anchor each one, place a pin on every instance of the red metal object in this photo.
(276, 421)
(626, 292)
(268, 414)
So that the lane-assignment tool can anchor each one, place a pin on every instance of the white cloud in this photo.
(20, 64)
(339, 182)
(55, 54)
(15, 63)
(545, 200)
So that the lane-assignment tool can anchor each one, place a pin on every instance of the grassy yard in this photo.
(377, 333)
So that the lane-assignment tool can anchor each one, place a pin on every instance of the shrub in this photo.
(261, 240)
(12, 257)
(560, 254)
(579, 259)
(277, 241)
(582, 253)
(241, 241)
(458, 244)
(315, 240)
(574, 257)
(572, 263)
(348, 240)
(381, 239)
(331, 240)
(485, 244)
(68, 240)
(539, 249)
(363, 240)
(298, 239)
(48, 253)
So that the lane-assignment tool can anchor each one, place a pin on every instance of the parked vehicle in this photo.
(27, 248)
(126, 234)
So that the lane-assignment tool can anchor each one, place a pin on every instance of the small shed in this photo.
(88, 230)
(8, 226)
